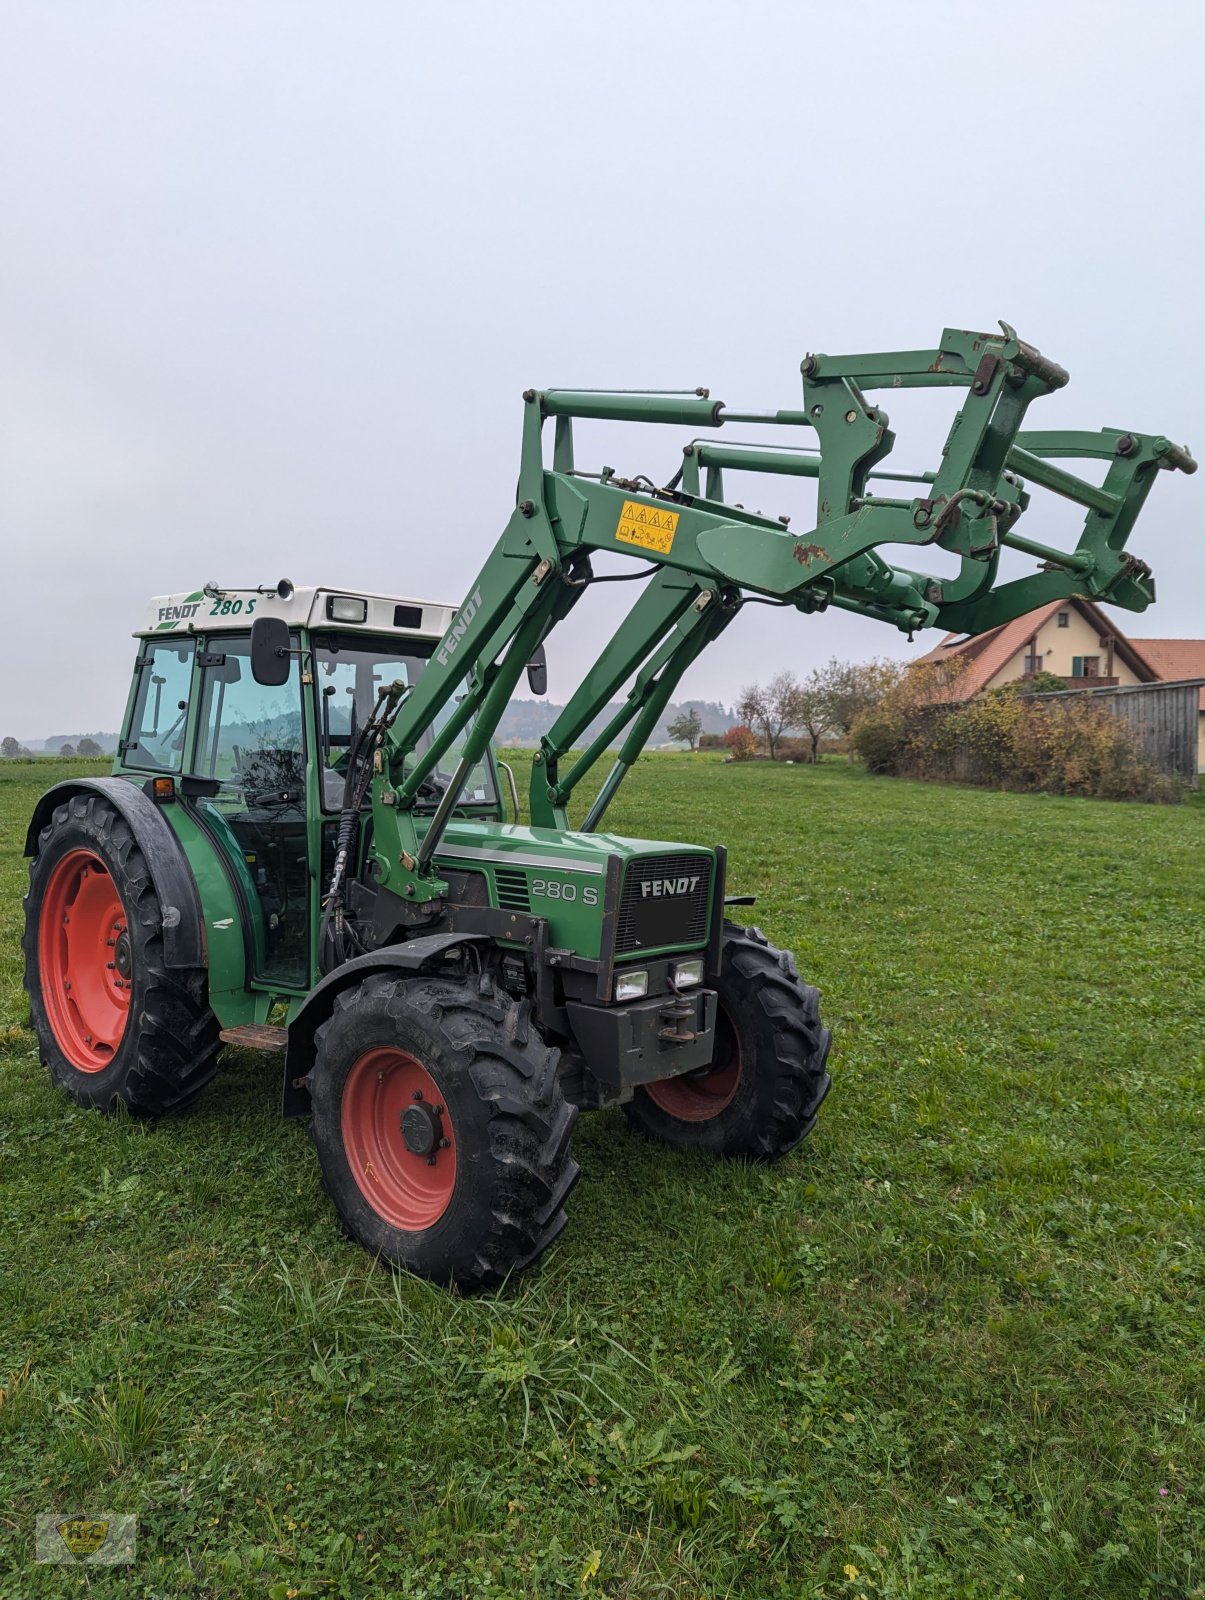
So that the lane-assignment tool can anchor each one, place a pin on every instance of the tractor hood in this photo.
(510, 845)
(659, 903)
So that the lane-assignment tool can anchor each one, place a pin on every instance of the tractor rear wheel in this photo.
(763, 1089)
(441, 1128)
(113, 1022)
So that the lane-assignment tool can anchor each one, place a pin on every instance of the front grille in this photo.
(664, 902)
(513, 894)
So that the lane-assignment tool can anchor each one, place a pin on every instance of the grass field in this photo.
(950, 1348)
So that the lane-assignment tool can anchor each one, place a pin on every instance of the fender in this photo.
(410, 957)
(183, 939)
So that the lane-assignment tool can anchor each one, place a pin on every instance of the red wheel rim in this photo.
(85, 960)
(699, 1096)
(398, 1138)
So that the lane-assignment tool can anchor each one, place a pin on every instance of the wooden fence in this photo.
(1165, 716)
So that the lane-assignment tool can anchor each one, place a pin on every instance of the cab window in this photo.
(350, 670)
(250, 740)
(155, 740)
(249, 736)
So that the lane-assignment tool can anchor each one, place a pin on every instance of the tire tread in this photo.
(796, 1080)
(178, 1040)
(515, 1079)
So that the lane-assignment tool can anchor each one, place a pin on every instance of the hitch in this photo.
(672, 1015)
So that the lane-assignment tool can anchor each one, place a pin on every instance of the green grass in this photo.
(949, 1348)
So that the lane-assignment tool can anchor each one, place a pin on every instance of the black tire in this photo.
(169, 1049)
(764, 1088)
(499, 1101)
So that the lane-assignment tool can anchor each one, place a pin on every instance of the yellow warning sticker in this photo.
(647, 525)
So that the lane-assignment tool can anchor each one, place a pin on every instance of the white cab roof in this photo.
(212, 609)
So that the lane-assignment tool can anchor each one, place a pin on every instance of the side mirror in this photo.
(270, 663)
(537, 671)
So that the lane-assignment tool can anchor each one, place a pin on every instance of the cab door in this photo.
(250, 745)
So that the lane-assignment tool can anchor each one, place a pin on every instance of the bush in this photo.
(878, 737)
(794, 749)
(1074, 746)
(741, 743)
(1035, 683)
(1008, 740)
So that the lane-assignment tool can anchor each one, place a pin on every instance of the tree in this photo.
(852, 687)
(66, 748)
(88, 747)
(687, 727)
(882, 732)
(931, 683)
(771, 710)
(12, 747)
(812, 711)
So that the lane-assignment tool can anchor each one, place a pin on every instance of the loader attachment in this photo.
(705, 557)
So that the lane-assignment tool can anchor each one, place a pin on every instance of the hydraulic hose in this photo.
(365, 741)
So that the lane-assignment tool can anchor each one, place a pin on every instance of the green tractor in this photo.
(309, 845)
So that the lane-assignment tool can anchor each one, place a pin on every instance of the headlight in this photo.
(346, 608)
(688, 973)
(631, 985)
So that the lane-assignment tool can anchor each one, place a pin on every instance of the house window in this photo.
(1085, 667)
(1064, 619)
(1033, 664)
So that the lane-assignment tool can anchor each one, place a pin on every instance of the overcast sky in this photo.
(274, 276)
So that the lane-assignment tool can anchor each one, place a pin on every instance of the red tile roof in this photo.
(987, 653)
(1175, 658)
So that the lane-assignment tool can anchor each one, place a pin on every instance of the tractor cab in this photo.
(258, 769)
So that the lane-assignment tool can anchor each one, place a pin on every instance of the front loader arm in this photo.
(708, 557)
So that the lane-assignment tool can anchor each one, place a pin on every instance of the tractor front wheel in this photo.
(763, 1089)
(114, 1022)
(441, 1129)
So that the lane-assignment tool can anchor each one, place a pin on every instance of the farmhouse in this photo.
(1076, 641)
